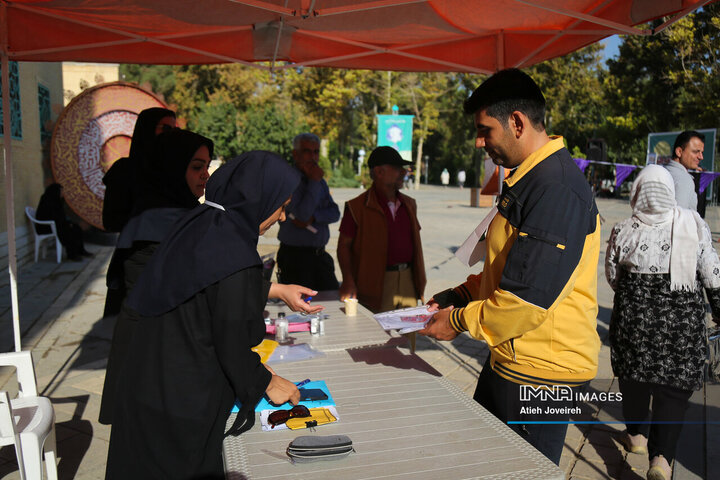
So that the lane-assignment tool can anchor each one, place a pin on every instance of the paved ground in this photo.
(61, 309)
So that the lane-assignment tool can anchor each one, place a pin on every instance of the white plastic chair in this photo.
(28, 422)
(30, 212)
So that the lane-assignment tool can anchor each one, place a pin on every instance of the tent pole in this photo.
(9, 193)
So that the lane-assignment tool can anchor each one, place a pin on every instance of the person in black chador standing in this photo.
(123, 186)
(201, 298)
(52, 207)
(175, 176)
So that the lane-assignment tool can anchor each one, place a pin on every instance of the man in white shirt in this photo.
(687, 154)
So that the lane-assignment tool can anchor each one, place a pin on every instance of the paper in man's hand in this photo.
(405, 320)
(473, 249)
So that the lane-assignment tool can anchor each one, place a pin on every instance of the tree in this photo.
(219, 122)
(665, 82)
(573, 92)
(424, 90)
(160, 78)
(270, 128)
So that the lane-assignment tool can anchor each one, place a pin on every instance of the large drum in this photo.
(93, 131)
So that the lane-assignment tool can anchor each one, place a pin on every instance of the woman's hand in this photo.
(292, 295)
(280, 391)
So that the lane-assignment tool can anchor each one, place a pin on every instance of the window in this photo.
(44, 106)
(15, 114)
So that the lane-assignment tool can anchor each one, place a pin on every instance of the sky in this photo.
(611, 46)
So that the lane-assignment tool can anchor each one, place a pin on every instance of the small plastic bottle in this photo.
(315, 325)
(322, 323)
(281, 328)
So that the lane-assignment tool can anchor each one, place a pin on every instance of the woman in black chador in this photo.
(124, 183)
(201, 298)
(52, 207)
(175, 175)
(121, 180)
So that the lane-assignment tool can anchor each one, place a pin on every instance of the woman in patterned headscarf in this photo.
(658, 262)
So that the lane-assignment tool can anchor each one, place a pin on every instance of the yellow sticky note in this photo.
(265, 349)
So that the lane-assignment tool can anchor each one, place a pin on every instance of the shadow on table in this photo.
(392, 357)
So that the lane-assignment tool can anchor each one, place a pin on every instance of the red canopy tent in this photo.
(420, 35)
(480, 36)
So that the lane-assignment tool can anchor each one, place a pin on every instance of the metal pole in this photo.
(9, 191)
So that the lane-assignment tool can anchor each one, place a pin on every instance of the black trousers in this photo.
(502, 398)
(307, 266)
(669, 404)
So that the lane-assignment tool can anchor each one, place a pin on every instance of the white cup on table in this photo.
(351, 305)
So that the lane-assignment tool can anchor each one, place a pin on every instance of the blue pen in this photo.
(300, 384)
(307, 299)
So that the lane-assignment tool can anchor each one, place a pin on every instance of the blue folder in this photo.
(263, 404)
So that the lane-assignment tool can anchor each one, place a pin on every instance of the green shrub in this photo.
(337, 180)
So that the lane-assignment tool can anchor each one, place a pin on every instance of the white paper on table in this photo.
(473, 249)
(267, 428)
(293, 353)
(405, 320)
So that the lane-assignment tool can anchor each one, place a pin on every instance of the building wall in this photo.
(31, 167)
(79, 76)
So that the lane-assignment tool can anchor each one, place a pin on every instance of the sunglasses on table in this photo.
(281, 416)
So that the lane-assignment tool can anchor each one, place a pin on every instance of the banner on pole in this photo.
(396, 131)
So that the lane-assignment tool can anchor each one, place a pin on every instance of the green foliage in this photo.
(339, 180)
(665, 82)
(270, 128)
(159, 78)
(577, 153)
(573, 94)
(218, 121)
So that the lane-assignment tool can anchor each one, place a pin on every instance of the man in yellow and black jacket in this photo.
(535, 303)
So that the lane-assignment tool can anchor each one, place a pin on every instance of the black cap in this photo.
(386, 156)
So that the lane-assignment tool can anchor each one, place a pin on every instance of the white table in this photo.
(341, 332)
(405, 421)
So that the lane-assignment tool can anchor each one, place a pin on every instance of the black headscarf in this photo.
(123, 179)
(209, 243)
(52, 192)
(164, 195)
(144, 131)
(163, 170)
(51, 204)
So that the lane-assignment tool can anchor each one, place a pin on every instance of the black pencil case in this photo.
(309, 448)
